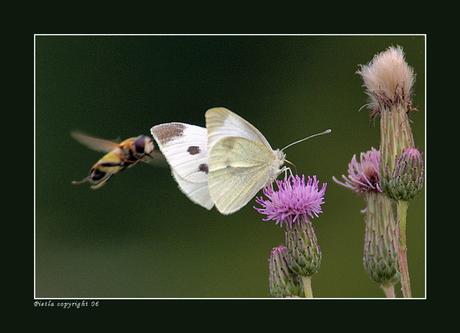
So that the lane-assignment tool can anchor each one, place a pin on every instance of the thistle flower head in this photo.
(363, 176)
(294, 201)
(388, 78)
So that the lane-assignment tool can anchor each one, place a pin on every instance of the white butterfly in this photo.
(241, 160)
(185, 149)
(224, 164)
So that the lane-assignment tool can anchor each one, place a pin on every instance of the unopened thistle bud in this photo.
(304, 252)
(380, 257)
(282, 281)
(407, 177)
(389, 80)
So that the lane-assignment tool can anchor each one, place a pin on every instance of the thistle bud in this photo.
(303, 249)
(407, 178)
(282, 281)
(380, 257)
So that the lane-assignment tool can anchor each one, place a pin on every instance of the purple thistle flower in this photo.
(363, 176)
(293, 202)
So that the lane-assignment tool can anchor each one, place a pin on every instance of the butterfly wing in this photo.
(197, 192)
(185, 148)
(221, 123)
(238, 169)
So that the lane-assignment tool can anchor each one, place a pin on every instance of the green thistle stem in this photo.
(389, 291)
(307, 286)
(402, 207)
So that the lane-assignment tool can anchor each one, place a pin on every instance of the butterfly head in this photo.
(276, 166)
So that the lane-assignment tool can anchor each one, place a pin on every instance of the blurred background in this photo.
(139, 236)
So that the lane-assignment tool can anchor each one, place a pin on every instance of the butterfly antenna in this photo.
(308, 137)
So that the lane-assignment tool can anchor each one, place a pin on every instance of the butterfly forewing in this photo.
(197, 192)
(221, 123)
(185, 149)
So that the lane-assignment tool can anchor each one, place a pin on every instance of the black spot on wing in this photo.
(168, 132)
(203, 167)
(193, 150)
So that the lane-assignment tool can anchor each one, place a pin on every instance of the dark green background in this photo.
(139, 236)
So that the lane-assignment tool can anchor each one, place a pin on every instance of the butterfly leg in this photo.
(286, 169)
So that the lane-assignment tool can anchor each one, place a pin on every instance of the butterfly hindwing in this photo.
(238, 169)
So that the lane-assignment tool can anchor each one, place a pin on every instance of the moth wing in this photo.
(238, 169)
(94, 143)
(221, 123)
